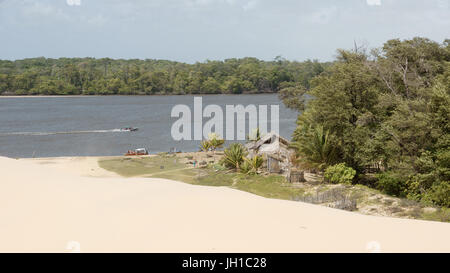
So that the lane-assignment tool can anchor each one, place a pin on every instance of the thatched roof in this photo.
(271, 145)
(269, 142)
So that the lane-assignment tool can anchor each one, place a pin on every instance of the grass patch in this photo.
(272, 186)
(140, 166)
(441, 214)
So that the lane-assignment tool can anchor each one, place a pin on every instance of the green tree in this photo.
(314, 147)
(389, 109)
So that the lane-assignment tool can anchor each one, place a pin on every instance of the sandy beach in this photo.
(67, 204)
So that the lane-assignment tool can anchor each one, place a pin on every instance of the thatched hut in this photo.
(275, 151)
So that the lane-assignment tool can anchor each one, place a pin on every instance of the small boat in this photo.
(129, 129)
(140, 151)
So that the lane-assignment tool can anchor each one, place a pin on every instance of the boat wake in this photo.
(61, 133)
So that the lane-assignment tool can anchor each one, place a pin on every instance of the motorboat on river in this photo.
(129, 129)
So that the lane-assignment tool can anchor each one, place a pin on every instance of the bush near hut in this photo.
(246, 168)
(340, 174)
(234, 156)
(252, 165)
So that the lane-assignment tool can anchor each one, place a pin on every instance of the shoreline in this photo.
(153, 95)
(88, 156)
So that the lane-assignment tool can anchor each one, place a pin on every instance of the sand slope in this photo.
(44, 207)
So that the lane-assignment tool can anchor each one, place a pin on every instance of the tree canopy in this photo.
(89, 76)
(389, 109)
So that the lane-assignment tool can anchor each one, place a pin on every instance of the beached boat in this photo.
(140, 151)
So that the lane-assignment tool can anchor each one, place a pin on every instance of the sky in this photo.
(199, 30)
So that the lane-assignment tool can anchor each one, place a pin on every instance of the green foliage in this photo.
(205, 146)
(215, 141)
(387, 111)
(392, 183)
(441, 214)
(439, 194)
(293, 95)
(234, 156)
(313, 146)
(88, 76)
(246, 167)
(340, 174)
(256, 162)
(252, 165)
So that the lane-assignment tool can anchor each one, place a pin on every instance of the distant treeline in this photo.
(89, 76)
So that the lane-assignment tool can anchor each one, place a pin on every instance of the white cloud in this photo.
(73, 2)
(373, 2)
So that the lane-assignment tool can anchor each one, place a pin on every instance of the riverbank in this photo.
(139, 95)
(45, 96)
(48, 205)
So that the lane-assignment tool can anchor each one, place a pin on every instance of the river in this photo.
(88, 126)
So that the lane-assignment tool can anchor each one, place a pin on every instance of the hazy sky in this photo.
(196, 30)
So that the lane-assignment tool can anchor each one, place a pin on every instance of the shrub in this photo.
(340, 174)
(205, 146)
(252, 165)
(213, 143)
(439, 194)
(234, 156)
(441, 214)
(246, 167)
(392, 183)
(216, 143)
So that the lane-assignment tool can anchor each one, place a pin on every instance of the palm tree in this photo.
(315, 148)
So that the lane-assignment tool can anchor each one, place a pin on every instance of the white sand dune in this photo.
(46, 204)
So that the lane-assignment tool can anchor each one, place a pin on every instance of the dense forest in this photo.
(89, 76)
(380, 119)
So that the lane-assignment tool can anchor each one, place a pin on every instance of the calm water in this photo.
(87, 126)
